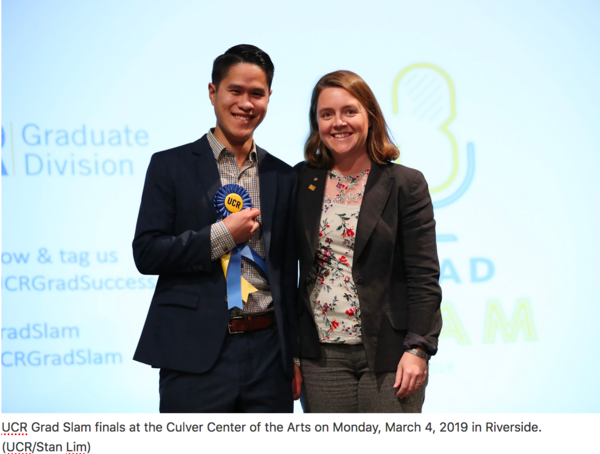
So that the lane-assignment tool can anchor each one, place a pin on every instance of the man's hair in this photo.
(242, 53)
(380, 147)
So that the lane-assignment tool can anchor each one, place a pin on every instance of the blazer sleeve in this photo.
(156, 247)
(422, 267)
(290, 275)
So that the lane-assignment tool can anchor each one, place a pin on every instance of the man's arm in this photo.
(290, 284)
(156, 250)
(290, 270)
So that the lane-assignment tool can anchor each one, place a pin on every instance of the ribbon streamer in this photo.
(232, 268)
(229, 199)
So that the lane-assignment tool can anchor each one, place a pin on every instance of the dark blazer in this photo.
(188, 317)
(395, 267)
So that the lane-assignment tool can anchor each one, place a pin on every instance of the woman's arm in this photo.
(421, 266)
(424, 292)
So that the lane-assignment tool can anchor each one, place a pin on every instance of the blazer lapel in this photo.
(267, 175)
(206, 168)
(376, 195)
(311, 191)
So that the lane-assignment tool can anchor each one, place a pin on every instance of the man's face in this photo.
(240, 102)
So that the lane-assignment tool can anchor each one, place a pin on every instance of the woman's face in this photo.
(343, 123)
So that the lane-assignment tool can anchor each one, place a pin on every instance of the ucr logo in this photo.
(424, 98)
(234, 203)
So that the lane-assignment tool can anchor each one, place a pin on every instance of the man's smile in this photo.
(243, 117)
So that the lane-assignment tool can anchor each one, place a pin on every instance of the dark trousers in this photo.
(342, 382)
(248, 377)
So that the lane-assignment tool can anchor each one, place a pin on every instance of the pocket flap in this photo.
(398, 319)
(176, 298)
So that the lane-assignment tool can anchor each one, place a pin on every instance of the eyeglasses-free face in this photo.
(240, 103)
(343, 123)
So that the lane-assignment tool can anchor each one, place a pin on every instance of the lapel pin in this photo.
(315, 178)
(312, 188)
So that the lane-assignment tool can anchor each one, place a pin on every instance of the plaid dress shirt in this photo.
(221, 240)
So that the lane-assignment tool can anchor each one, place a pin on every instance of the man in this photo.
(212, 358)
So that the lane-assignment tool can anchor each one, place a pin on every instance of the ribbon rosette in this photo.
(233, 198)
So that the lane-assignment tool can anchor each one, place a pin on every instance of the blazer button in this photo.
(360, 281)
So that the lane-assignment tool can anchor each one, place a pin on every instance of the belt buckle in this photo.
(237, 317)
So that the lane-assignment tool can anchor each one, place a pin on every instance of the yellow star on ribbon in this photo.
(247, 287)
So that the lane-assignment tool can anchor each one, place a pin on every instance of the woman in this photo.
(369, 299)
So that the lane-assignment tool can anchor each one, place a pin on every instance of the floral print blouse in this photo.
(334, 298)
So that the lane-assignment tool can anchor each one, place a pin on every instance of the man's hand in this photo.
(411, 374)
(242, 225)
(297, 382)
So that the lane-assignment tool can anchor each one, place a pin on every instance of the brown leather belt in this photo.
(243, 323)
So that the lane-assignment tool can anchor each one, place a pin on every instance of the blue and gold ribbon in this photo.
(233, 198)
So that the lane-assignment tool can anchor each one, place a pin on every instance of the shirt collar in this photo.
(218, 148)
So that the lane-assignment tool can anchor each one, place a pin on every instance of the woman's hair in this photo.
(379, 145)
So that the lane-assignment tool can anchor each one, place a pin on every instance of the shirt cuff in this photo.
(221, 241)
(413, 340)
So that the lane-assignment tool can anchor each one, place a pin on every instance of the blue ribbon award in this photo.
(233, 198)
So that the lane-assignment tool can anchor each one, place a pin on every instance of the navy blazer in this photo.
(395, 266)
(188, 317)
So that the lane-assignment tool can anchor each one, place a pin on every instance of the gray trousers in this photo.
(342, 382)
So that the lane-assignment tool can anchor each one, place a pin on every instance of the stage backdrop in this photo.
(496, 102)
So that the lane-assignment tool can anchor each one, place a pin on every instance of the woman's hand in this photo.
(411, 374)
